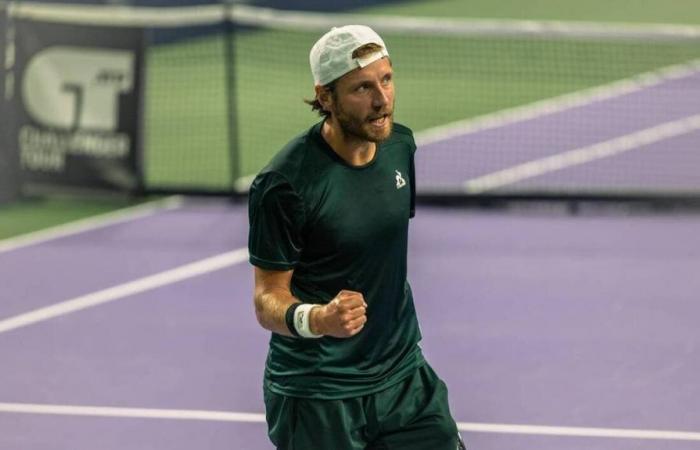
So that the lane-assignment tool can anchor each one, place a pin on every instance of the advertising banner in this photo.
(9, 176)
(76, 105)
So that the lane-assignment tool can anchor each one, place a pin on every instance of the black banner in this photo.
(9, 170)
(76, 105)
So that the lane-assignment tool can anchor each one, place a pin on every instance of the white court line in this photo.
(123, 290)
(556, 104)
(91, 223)
(582, 155)
(226, 416)
(138, 413)
(625, 433)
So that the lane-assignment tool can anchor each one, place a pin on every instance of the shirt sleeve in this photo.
(412, 179)
(276, 217)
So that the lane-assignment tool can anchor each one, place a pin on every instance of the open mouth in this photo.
(379, 121)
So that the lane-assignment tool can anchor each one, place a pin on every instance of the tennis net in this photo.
(506, 107)
(498, 107)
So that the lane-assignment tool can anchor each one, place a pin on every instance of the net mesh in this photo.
(186, 112)
(504, 107)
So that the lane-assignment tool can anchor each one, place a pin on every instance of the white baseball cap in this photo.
(331, 56)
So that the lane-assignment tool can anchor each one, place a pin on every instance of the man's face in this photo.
(363, 104)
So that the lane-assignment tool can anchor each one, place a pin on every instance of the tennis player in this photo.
(328, 238)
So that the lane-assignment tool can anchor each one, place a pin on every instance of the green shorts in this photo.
(411, 415)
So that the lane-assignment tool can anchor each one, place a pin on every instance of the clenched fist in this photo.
(342, 317)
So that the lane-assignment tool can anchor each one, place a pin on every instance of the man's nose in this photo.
(381, 98)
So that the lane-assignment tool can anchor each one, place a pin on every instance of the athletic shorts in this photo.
(410, 415)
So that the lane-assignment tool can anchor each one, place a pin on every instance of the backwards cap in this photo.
(331, 56)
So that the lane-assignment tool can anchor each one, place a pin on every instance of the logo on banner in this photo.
(72, 94)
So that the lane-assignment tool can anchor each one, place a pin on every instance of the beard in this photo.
(361, 127)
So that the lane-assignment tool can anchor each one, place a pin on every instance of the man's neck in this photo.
(354, 151)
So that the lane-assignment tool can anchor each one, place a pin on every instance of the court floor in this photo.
(552, 331)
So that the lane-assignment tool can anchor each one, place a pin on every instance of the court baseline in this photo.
(227, 416)
(91, 223)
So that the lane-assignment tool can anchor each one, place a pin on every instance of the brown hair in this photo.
(358, 53)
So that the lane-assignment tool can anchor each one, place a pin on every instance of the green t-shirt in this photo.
(339, 227)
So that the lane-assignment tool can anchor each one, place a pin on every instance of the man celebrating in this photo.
(328, 238)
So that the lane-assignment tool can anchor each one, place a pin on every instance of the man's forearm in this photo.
(270, 309)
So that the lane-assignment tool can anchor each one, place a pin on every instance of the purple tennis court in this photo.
(552, 331)
(546, 327)
(636, 135)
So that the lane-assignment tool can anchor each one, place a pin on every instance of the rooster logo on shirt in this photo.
(400, 182)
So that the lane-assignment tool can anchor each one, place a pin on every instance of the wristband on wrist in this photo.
(302, 322)
(289, 318)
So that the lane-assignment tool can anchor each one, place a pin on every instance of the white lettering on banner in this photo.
(46, 150)
(77, 87)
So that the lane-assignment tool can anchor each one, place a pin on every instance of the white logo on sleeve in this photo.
(400, 182)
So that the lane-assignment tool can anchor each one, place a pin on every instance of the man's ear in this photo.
(324, 97)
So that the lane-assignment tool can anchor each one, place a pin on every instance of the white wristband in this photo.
(302, 323)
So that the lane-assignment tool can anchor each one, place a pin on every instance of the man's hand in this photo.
(343, 317)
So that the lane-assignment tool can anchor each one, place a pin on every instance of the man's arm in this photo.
(272, 298)
(343, 317)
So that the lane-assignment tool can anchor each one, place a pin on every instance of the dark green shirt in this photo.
(339, 227)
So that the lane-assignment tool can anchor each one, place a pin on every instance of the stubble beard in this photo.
(361, 128)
